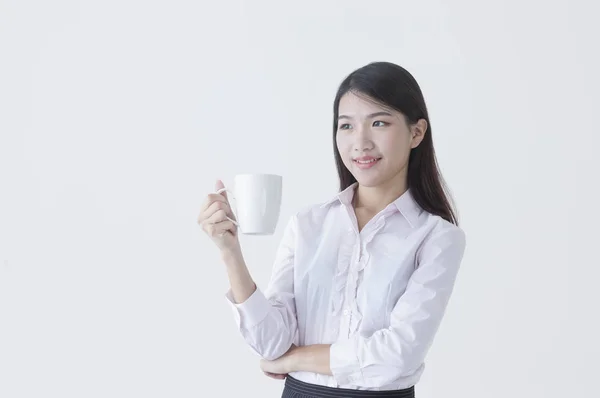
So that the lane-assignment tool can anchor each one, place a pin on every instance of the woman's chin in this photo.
(368, 181)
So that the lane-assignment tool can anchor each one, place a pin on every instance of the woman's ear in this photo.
(418, 132)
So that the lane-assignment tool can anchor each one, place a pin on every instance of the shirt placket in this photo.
(350, 309)
(349, 291)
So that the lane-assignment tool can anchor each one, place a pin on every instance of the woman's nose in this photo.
(363, 140)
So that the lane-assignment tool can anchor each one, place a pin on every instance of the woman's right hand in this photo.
(214, 222)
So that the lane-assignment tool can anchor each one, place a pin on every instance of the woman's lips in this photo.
(366, 162)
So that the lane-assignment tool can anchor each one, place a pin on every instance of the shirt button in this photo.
(346, 311)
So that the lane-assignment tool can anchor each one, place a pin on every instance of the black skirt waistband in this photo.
(295, 388)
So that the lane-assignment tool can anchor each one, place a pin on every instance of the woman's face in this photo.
(374, 142)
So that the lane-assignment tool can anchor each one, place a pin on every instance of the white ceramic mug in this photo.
(257, 202)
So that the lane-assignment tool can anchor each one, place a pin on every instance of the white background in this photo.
(116, 117)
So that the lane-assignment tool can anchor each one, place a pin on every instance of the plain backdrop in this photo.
(117, 117)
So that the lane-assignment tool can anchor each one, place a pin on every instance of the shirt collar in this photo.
(405, 203)
(345, 196)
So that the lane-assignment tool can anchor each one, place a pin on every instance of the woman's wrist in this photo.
(290, 360)
(232, 256)
(241, 282)
(294, 359)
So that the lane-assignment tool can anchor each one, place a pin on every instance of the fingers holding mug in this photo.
(219, 223)
(217, 204)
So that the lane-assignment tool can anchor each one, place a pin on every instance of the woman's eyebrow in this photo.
(382, 113)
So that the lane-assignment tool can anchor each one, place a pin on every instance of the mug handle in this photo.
(233, 208)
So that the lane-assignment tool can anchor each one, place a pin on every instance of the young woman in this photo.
(360, 282)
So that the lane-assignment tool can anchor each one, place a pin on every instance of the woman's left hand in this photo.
(280, 366)
(275, 375)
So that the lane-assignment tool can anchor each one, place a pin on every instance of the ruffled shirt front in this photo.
(377, 296)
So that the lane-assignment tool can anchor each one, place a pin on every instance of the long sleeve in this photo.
(400, 349)
(267, 321)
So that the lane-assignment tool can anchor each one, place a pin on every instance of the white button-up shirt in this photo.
(377, 296)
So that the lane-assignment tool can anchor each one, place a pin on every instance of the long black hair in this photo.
(394, 87)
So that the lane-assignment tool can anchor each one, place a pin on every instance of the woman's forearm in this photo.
(242, 285)
(268, 324)
(311, 358)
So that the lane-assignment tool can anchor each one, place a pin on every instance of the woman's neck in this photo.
(374, 199)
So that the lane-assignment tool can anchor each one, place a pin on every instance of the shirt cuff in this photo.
(344, 363)
(250, 312)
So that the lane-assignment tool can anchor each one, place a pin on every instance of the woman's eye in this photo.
(344, 126)
(381, 124)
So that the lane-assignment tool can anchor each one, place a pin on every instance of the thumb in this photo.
(219, 185)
